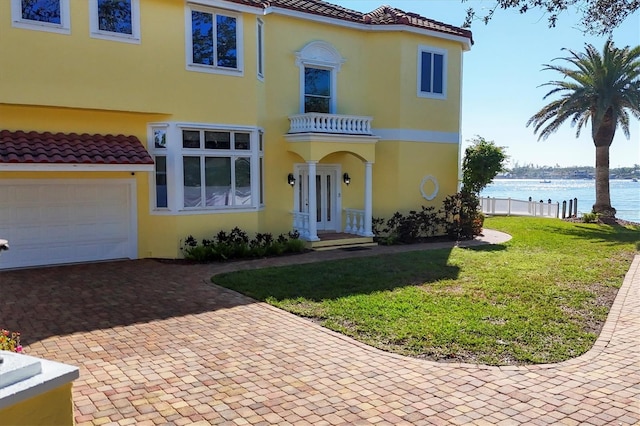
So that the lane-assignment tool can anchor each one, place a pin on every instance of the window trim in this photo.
(260, 49)
(175, 153)
(159, 152)
(213, 69)
(64, 27)
(321, 55)
(261, 167)
(96, 32)
(438, 51)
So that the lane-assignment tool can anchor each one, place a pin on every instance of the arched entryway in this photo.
(318, 201)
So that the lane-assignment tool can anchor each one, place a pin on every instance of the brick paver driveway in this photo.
(156, 343)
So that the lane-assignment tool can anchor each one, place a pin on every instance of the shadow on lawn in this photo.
(601, 233)
(488, 247)
(341, 278)
(62, 300)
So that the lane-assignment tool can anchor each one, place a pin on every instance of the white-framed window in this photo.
(260, 48)
(432, 72)
(318, 95)
(202, 168)
(115, 20)
(158, 147)
(216, 168)
(319, 63)
(214, 40)
(41, 15)
(261, 165)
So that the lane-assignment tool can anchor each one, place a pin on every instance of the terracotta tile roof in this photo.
(384, 15)
(71, 148)
(318, 7)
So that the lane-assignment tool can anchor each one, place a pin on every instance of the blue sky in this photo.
(502, 73)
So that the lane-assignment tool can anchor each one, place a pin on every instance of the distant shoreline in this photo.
(548, 173)
(558, 178)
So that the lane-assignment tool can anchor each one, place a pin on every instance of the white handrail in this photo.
(301, 224)
(355, 222)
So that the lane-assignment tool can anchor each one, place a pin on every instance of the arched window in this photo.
(319, 63)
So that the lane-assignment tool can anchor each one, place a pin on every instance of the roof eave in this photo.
(74, 167)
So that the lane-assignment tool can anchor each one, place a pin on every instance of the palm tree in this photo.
(603, 89)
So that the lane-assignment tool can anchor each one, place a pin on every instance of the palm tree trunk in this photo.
(603, 195)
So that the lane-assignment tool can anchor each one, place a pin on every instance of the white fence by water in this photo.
(511, 207)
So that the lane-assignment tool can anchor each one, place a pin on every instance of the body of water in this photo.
(625, 194)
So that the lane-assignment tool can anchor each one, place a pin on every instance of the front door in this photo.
(327, 195)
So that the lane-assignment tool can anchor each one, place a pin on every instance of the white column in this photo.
(313, 211)
(368, 199)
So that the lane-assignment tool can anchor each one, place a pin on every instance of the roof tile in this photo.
(71, 148)
(384, 15)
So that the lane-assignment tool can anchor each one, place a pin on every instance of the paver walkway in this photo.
(158, 344)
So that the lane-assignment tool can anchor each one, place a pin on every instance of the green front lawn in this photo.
(541, 297)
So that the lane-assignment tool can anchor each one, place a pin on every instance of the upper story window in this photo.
(317, 90)
(432, 72)
(41, 15)
(319, 63)
(260, 48)
(214, 41)
(115, 20)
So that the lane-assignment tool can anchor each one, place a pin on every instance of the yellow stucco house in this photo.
(126, 126)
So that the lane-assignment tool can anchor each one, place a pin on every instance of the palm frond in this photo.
(597, 88)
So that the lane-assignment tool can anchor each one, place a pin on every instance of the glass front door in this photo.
(326, 204)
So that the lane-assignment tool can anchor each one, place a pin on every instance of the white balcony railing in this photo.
(330, 123)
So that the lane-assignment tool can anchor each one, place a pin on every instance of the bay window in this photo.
(206, 168)
(220, 174)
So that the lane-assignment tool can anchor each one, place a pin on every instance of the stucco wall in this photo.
(101, 86)
(53, 408)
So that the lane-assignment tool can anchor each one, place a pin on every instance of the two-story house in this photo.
(127, 125)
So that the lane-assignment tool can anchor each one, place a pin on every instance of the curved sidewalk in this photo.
(158, 344)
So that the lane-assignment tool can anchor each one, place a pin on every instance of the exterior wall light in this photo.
(291, 180)
(346, 178)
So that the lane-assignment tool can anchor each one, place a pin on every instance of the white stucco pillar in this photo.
(313, 200)
(368, 199)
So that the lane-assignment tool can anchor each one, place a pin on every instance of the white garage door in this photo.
(57, 221)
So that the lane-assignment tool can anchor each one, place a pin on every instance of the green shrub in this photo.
(237, 245)
(463, 219)
(410, 228)
(590, 217)
(294, 245)
(459, 219)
